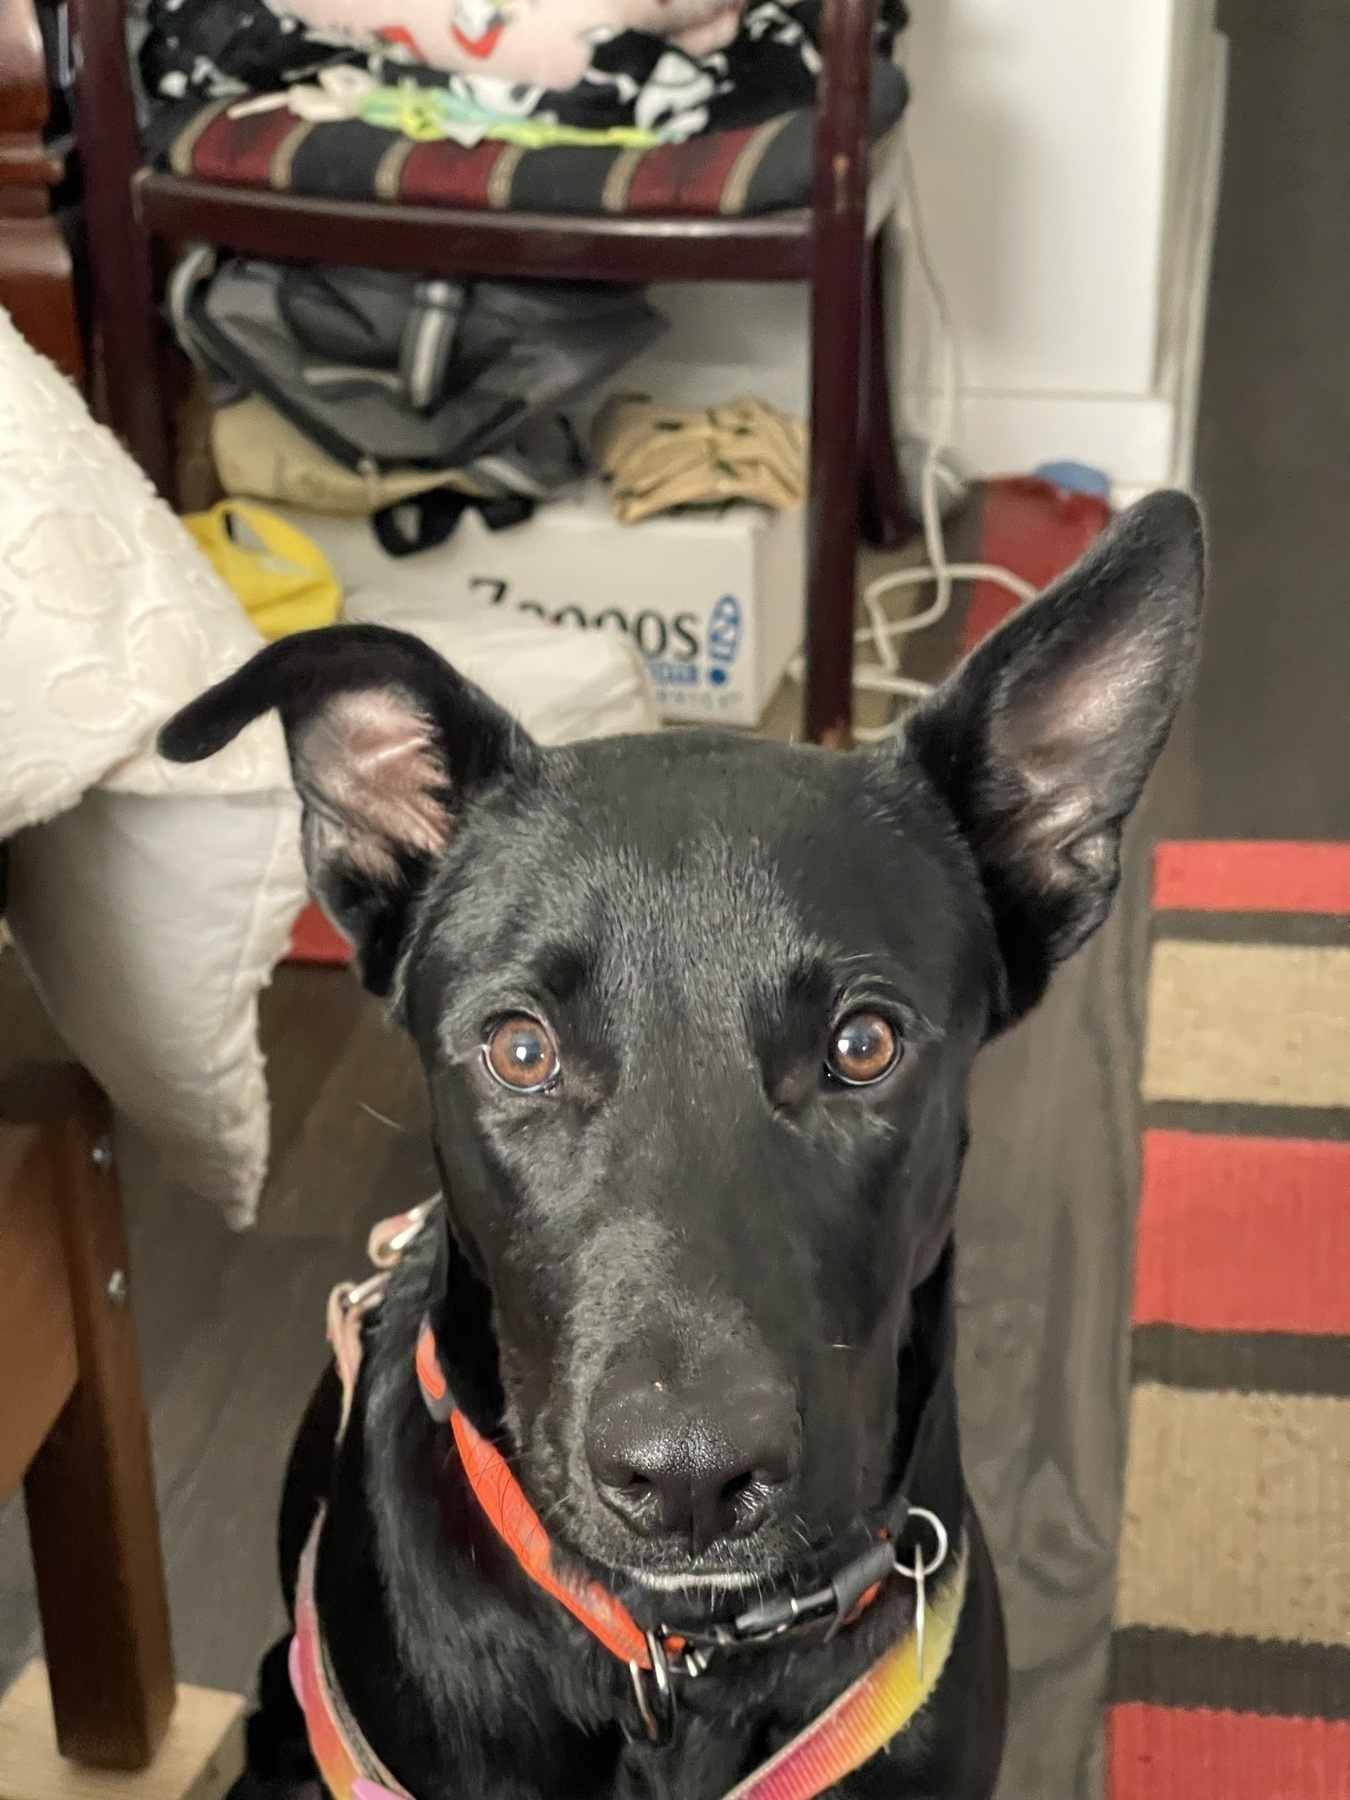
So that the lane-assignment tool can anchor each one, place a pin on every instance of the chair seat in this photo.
(454, 242)
(762, 168)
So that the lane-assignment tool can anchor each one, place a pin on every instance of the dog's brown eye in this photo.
(863, 1049)
(521, 1054)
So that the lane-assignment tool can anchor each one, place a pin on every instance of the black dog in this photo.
(697, 1014)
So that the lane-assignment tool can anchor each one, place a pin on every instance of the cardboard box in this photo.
(713, 600)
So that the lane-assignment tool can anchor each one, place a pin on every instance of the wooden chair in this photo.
(37, 285)
(835, 245)
(72, 1421)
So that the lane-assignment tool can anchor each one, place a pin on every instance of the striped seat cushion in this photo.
(761, 168)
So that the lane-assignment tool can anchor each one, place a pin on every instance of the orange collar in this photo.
(517, 1524)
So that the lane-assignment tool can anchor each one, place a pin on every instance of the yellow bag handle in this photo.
(283, 581)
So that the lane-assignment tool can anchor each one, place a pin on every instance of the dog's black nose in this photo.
(700, 1461)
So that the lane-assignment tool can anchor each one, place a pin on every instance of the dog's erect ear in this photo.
(1041, 741)
(387, 744)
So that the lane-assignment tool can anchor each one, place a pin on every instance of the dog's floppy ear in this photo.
(387, 745)
(1040, 742)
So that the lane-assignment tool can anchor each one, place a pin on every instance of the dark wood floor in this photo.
(232, 1326)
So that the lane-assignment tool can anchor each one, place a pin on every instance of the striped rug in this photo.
(1231, 1656)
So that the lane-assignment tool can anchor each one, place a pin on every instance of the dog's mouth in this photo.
(669, 1585)
(727, 1568)
(696, 1597)
(694, 1581)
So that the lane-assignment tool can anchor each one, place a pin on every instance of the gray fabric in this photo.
(330, 349)
(1044, 1233)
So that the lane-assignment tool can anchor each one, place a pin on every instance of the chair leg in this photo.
(125, 321)
(126, 334)
(92, 1518)
(837, 301)
(886, 519)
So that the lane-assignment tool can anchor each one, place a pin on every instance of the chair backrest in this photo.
(119, 253)
(105, 106)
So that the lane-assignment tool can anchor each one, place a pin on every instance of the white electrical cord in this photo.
(881, 633)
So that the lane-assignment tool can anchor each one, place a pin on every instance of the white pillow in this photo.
(110, 617)
(148, 932)
(148, 927)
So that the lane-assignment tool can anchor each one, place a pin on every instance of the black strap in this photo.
(427, 519)
(419, 523)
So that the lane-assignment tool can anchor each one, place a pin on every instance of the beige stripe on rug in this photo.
(1238, 1519)
(1261, 1024)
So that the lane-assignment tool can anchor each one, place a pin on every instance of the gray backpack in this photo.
(389, 371)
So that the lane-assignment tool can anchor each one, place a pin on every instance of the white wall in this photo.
(1053, 142)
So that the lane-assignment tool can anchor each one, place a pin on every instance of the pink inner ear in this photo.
(372, 758)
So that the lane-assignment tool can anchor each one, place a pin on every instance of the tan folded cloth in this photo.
(260, 455)
(656, 458)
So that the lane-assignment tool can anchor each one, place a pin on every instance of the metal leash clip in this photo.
(656, 1704)
(919, 1571)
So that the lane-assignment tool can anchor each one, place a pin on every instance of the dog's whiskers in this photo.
(556, 1512)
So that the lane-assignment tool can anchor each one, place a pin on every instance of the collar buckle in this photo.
(835, 1606)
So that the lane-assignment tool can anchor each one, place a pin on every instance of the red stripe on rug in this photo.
(1252, 877)
(1034, 529)
(1243, 1234)
(1165, 1753)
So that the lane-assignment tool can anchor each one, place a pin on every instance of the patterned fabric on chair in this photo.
(757, 169)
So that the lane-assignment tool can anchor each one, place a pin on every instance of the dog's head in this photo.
(697, 1014)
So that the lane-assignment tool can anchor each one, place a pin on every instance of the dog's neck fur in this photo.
(414, 1592)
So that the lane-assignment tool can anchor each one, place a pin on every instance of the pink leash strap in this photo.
(868, 1715)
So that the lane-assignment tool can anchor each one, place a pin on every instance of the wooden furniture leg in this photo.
(92, 1517)
(886, 519)
(73, 1430)
(838, 262)
(119, 250)
(832, 505)
(37, 284)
